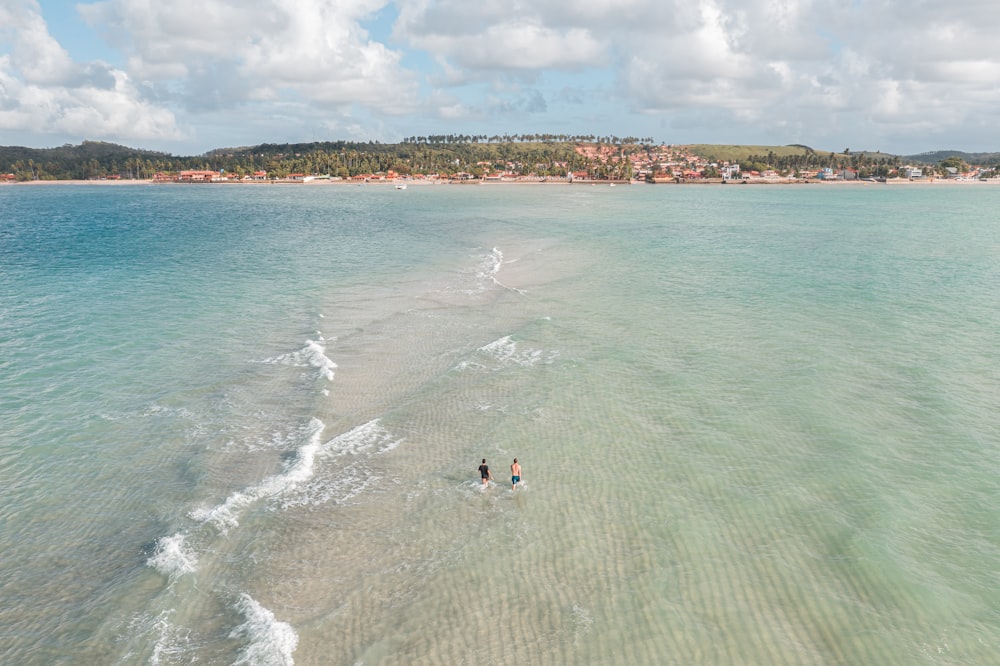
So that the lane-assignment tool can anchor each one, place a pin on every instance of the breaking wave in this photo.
(505, 352)
(312, 355)
(269, 642)
(225, 515)
(172, 557)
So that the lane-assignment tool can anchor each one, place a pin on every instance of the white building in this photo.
(730, 171)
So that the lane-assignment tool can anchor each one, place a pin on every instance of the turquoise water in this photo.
(241, 425)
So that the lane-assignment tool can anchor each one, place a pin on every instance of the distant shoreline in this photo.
(508, 183)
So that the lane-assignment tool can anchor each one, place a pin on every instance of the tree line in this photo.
(866, 164)
(543, 155)
(529, 138)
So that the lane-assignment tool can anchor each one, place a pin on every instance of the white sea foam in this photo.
(368, 437)
(170, 642)
(350, 481)
(275, 440)
(497, 264)
(317, 358)
(295, 484)
(313, 355)
(486, 273)
(494, 263)
(389, 446)
(225, 515)
(504, 352)
(154, 410)
(173, 558)
(160, 410)
(350, 477)
(269, 642)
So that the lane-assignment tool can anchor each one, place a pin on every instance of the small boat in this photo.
(401, 187)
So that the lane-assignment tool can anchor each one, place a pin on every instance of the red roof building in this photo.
(193, 176)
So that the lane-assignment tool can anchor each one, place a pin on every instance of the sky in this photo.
(187, 76)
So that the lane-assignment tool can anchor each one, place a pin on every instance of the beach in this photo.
(316, 182)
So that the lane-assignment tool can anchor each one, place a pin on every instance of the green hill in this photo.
(88, 150)
(544, 156)
(90, 159)
(933, 157)
(741, 153)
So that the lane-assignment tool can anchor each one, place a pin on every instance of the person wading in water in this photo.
(515, 474)
(485, 473)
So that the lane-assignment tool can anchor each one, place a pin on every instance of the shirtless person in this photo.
(515, 474)
(485, 473)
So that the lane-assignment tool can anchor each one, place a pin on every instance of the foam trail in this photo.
(316, 355)
(504, 352)
(362, 439)
(225, 515)
(269, 642)
(497, 264)
(350, 477)
(351, 480)
(313, 354)
(171, 644)
(497, 261)
(172, 557)
(502, 349)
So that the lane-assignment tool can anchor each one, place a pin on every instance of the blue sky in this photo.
(187, 76)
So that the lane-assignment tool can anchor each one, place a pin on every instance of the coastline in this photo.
(424, 183)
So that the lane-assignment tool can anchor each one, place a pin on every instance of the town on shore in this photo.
(463, 159)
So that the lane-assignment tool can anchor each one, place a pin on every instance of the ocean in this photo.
(242, 424)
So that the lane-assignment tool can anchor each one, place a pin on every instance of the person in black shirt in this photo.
(485, 473)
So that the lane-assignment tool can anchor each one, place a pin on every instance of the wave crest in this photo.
(269, 641)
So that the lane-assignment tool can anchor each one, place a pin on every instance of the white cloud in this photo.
(43, 91)
(82, 111)
(811, 64)
(871, 69)
(516, 45)
(866, 67)
(316, 50)
(35, 54)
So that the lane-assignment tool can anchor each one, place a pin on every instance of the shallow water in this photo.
(242, 425)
